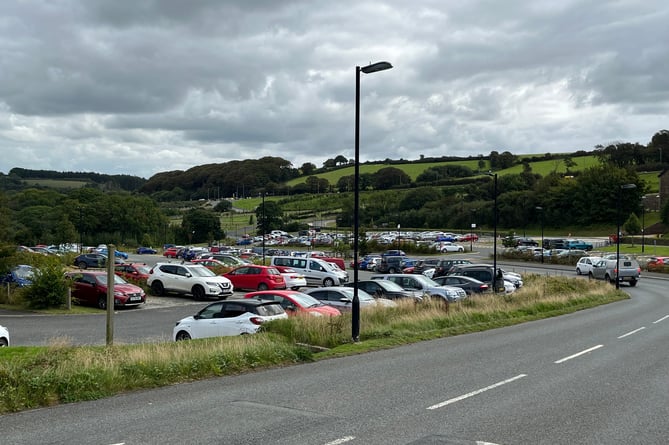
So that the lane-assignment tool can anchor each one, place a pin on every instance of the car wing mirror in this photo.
(345, 300)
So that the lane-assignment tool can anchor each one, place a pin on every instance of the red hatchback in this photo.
(134, 272)
(256, 277)
(296, 303)
(90, 287)
(658, 264)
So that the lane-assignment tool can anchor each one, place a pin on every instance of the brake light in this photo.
(256, 320)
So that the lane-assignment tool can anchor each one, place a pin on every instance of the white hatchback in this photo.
(584, 264)
(4, 336)
(228, 317)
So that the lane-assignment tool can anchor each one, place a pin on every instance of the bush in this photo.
(49, 286)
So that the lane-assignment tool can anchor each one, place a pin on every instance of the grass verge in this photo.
(32, 377)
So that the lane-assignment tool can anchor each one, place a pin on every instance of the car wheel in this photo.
(198, 293)
(328, 282)
(578, 271)
(263, 286)
(591, 276)
(633, 283)
(461, 249)
(82, 265)
(182, 335)
(392, 270)
(157, 288)
(102, 302)
(3, 342)
(608, 278)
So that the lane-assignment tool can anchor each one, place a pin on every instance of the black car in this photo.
(391, 264)
(468, 284)
(386, 289)
(95, 260)
(423, 265)
(445, 266)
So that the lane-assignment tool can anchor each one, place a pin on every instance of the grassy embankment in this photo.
(32, 377)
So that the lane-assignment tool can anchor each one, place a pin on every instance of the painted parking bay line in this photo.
(477, 392)
(661, 319)
(632, 332)
(578, 354)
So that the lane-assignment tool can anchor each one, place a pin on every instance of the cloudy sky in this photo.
(144, 86)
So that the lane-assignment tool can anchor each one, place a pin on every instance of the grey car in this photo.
(629, 271)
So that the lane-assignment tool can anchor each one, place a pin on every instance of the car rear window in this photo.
(270, 309)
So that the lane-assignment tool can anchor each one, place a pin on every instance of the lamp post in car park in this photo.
(494, 222)
(541, 209)
(472, 225)
(355, 304)
(618, 235)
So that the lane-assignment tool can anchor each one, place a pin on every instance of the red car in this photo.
(90, 287)
(171, 252)
(133, 271)
(658, 264)
(256, 277)
(468, 237)
(296, 303)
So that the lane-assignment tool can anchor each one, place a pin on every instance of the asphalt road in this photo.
(593, 377)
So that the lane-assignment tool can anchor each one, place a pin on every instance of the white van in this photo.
(316, 271)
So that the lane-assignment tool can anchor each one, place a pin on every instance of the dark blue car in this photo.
(146, 251)
(21, 275)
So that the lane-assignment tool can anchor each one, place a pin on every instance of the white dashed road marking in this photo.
(478, 391)
(578, 354)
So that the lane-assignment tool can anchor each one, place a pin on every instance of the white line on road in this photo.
(342, 440)
(478, 391)
(578, 354)
(632, 332)
(661, 319)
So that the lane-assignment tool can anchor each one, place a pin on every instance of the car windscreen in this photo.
(305, 300)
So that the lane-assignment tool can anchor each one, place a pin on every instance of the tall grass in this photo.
(32, 377)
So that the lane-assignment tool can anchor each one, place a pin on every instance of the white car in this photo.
(450, 247)
(191, 279)
(294, 279)
(4, 336)
(584, 264)
(228, 317)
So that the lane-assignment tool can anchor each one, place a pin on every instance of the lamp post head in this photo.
(539, 208)
(628, 186)
(374, 67)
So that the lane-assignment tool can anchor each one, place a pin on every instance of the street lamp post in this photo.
(471, 228)
(643, 224)
(262, 228)
(494, 223)
(399, 237)
(355, 304)
(541, 209)
(618, 235)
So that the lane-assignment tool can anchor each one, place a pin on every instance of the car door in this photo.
(240, 278)
(207, 323)
(85, 288)
(180, 278)
(599, 269)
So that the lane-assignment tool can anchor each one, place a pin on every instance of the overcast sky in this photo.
(144, 86)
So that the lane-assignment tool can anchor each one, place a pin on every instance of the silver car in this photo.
(4, 336)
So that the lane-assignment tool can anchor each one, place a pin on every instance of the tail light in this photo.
(256, 320)
(484, 287)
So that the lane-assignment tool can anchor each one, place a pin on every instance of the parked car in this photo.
(658, 264)
(117, 253)
(146, 251)
(295, 303)
(229, 317)
(90, 287)
(95, 260)
(294, 279)
(21, 275)
(577, 244)
(192, 279)
(256, 277)
(393, 252)
(584, 264)
(387, 289)
(467, 237)
(211, 264)
(342, 298)
(172, 252)
(451, 247)
(133, 271)
(4, 337)
(316, 271)
(629, 271)
(469, 284)
(229, 260)
(484, 272)
(425, 285)
(425, 265)
(390, 264)
(444, 266)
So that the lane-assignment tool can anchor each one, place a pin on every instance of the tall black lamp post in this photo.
(541, 209)
(471, 228)
(262, 228)
(618, 234)
(355, 305)
(494, 225)
(643, 224)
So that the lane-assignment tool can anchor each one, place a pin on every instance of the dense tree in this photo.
(223, 206)
(389, 177)
(201, 225)
(307, 168)
(269, 217)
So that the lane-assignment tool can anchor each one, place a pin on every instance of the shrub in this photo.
(49, 286)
